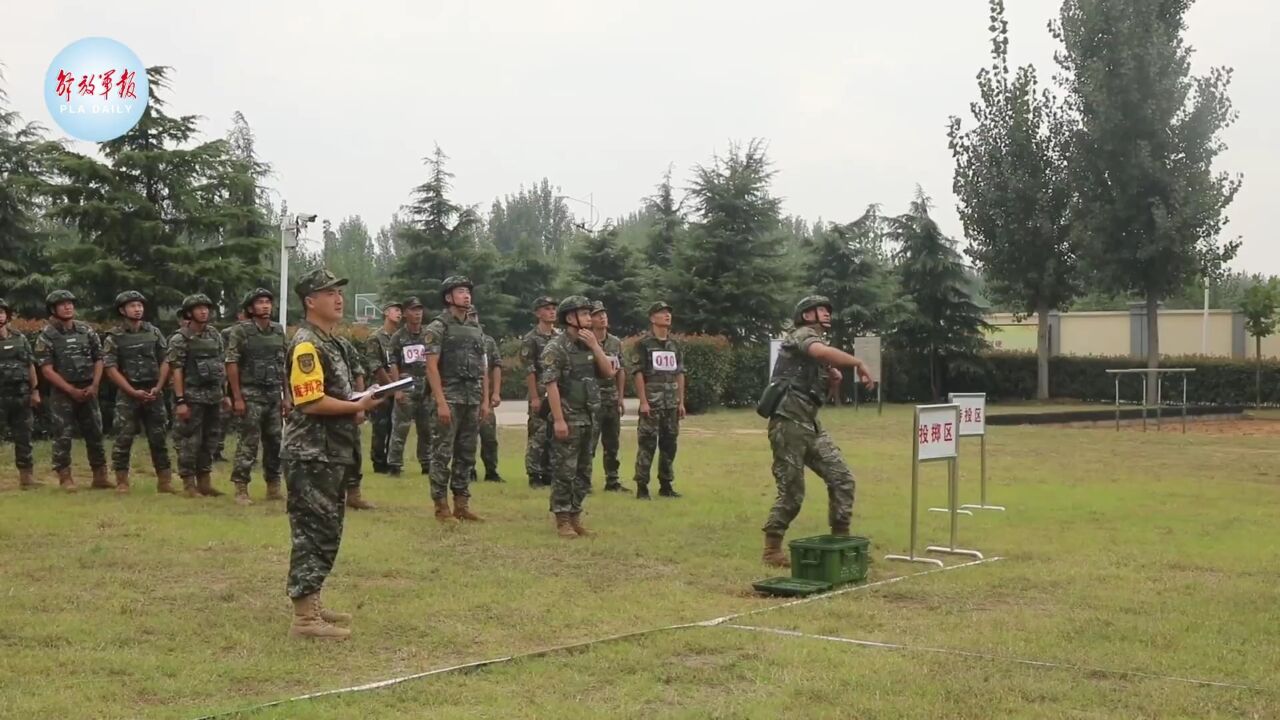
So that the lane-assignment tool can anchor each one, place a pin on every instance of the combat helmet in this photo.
(56, 297)
(808, 303)
(127, 297)
(573, 303)
(191, 302)
(450, 283)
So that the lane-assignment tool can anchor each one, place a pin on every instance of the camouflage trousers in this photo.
(66, 415)
(228, 424)
(659, 433)
(415, 410)
(797, 446)
(489, 444)
(260, 425)
(316, 506)
(453, 451)
(197, 438)
(134, 416)
(537, 455)
(608, 432)
(355, 471)
(15, 415)
(571, 469)
(380, 419)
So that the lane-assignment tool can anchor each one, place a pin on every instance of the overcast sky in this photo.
(853, 97)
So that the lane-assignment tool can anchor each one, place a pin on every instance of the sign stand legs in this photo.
(915, 507)
(983, 502)
(954, 473)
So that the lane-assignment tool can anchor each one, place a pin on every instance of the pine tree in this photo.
(666, 223)
(943, 325)
(728, 276)
(607, 271)
(843, 265)
(24, 157)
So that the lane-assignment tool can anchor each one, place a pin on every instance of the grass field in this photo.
(1150, 553)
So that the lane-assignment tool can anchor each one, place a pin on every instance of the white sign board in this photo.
(973, 412)
(366, 306)
(867, 349)
(936, 434)
(775, 347)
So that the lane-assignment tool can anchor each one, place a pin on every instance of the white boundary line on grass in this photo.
(985, 656)
(720, 621)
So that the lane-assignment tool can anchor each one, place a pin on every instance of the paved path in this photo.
(516, 412)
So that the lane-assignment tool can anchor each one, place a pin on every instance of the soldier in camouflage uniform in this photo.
(489, 428)
(459, 379)
(133, 358)
(69, 354)
(413, 406)
(255, 376)
(609, 424)
(377, 361)
(196, 363)
(656, 361)
(230, 422)
(19, 394)
(537, 457)
(805, 364)
(355, 475)
(573, 366)
(320, 448)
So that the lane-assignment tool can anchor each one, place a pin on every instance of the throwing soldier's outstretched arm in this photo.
(838, 358)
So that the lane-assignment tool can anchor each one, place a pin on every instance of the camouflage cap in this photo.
(388, 304)
(659, 306)
(317, 280)
(597, 307)
(4, 305)
(412, 302)
(543, 301)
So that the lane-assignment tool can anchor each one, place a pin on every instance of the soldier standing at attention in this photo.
(230, 423)
(413, 406)
(255, 375)
(377, 359)
(537, 457)
(199, 375)
(573, 366)
(320, 446)
(805, 363)
(355, 474)
(19, 394)
(69, 354)
(609, 425)
(459, 379)
(133, 357)
(489, 428)
(657, 363)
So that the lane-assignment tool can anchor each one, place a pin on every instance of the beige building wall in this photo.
(1181, 332)
(1095, 333)
(1270, 347)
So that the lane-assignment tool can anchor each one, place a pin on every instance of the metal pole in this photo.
(1159, 402)
(284, 277)
(879, 399)
(953, 488)
(983, 455)
(1144, 404)
(951, 504)
(915, 500)
(1184, 403)
(953, 466)
(1117, 402)
(1204, 328)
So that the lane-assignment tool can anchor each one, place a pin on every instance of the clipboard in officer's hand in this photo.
(380, 390)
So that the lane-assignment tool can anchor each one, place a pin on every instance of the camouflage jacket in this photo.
(258, 355)
(319, 364)
(200, 357)
(661, 362)
(612, 345)
(72, 352)
(492, 354)
(572, 367)
(409, 354)
(531, 347)
(378, 351)
(137, 354)
(806, 375)
(16, 361)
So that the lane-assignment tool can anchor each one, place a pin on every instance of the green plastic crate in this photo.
(791, 587)
(830, 559)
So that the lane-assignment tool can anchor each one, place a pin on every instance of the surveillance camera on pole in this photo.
(292, 232)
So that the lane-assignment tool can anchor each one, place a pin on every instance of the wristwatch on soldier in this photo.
(180, 400)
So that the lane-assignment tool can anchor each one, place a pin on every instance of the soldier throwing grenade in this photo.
(805, 363)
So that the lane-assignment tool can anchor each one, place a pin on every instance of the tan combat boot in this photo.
(462, 511)
(204, 484)
(308, 623)
(442, 512)
(100, 481)
(330, 616)
(122, 481)
(65, 481)
(357, 502)
(575, 522)
(563, 527)
(164, 482)
(242, 495)
(189, 488)
(26, 481)
(773, 555)
(273, 490)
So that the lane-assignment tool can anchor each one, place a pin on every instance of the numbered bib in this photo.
(664, 361)
(414, 354)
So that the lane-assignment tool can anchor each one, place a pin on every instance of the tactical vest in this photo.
(461, 352)
(648, 345)
(14, 367)
(205, 367)
(578, 387)
(136, 355)
(72, 358)
(262, 360)
(803, 372)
